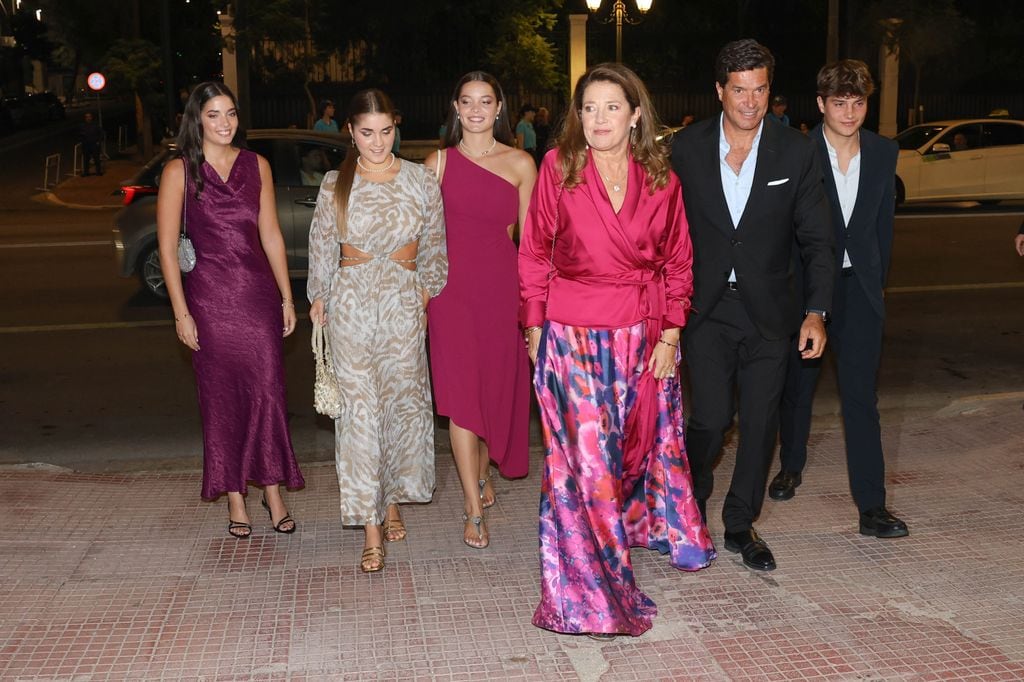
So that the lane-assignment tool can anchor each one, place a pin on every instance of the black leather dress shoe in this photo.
(755, 552)
(784, 485)
(880, 523)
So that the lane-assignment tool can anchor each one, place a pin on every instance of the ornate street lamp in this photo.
(620, 15)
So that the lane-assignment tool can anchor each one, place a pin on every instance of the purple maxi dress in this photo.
(234, 299)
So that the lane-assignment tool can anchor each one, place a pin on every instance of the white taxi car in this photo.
(978, 159)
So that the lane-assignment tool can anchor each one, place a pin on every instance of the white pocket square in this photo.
(783, 181)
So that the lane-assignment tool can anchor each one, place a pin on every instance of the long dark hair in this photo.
(647, 150)
(372, 101)
(502, 129)
(190, 133)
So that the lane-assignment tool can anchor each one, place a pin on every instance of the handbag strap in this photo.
(322, 346)
(184, 202)
(554, 233)
(439, 166)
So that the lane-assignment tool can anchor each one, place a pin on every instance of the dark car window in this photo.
(912, 138)
(963, 138)
(1003, 134)
(265, 148)
(315, 160)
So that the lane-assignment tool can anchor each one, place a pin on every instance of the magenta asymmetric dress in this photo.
(478, 361)
(234, 299)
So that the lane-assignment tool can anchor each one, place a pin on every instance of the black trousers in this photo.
(855, 341)
(91, 153)
(726, 352)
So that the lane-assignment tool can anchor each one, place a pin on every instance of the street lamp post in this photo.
(620, 15)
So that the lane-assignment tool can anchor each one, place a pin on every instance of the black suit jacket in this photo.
(868, 237)
(787, 201)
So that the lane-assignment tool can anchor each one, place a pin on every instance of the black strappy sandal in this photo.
(277, 526)
(234, 526)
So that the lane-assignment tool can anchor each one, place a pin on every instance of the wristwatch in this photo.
(824, 314)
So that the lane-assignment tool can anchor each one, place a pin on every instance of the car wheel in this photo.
(151, 274)
(901, 191)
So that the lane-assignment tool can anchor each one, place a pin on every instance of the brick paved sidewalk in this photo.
(133, 577)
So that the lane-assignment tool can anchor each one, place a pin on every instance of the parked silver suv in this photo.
(298, 159)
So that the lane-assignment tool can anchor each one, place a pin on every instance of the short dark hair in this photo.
(743, 55)
(324, 103)
(525, 109)
(845, 78)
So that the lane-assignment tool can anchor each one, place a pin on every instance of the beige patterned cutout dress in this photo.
(384, 443)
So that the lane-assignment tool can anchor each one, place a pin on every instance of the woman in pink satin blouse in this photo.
(605, 282)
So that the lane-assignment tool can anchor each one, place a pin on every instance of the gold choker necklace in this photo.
(385, 169)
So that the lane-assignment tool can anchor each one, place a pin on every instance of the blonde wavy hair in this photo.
(647, 150)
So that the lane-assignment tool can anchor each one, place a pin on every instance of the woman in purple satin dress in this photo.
(234, 308)
(478, 361)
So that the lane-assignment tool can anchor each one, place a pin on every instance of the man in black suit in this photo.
(751, 188)
(860, 172)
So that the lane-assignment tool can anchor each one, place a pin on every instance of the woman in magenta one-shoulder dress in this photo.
(235, 307)
(478, 360)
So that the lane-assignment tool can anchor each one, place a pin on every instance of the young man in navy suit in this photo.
(860, 171)
(752, 188)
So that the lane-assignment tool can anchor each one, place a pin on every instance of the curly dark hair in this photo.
(743, 55)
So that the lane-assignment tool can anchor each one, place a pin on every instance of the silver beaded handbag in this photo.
(327, 399)
(186, 252)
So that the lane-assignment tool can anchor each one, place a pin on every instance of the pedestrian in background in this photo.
(237, 302)
(1019, 241)
(860, 170)
(605, 268)
(479, 365)
(526, 136)
(326, 123)
(778, 110)
(376, 258)
(396, 148)
(91, 137)
(542, 129)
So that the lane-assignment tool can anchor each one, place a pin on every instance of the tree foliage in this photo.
(929, 32)
(522, 57)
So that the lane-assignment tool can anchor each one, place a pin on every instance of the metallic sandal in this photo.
(482, 483)
(478, 522)
(372, 560)
(394, 530)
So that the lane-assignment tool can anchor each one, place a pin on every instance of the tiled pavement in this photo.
(133, 577)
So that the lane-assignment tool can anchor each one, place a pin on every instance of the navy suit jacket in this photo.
(868, 237)
(787, 201)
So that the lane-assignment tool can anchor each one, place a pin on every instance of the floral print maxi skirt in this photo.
(590, 515)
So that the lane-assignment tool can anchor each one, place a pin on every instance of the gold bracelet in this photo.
(287, 302)
(177, 319)
(667, 343)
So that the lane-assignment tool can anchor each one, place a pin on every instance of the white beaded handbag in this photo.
(327, 398)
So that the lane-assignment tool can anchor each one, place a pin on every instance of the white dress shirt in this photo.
(846, 186)
(736, 186)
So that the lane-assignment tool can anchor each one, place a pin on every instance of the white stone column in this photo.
(889, 74)
(577, 47)
(229, 59)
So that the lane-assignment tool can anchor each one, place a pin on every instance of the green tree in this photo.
(134, 66)
(80, 32)
(522, 57)
(930, 31)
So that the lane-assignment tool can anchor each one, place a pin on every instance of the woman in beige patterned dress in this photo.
(376, 258)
